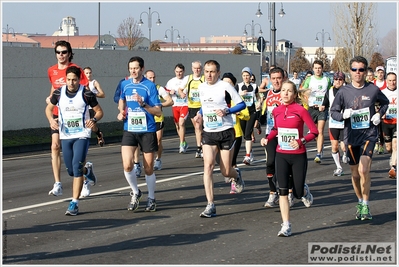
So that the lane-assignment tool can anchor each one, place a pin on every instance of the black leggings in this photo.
(248, 126)
(271, 156)
(295, 164)
(236, 150)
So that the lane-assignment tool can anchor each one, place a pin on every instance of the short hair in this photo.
(87, 68)
(67, 45)
(277, 70)
(145, 73)
(369, 69)
(180, 66)
(137, 59)
(391, 73)
(75, 70)
(359, 59)
(213, 62)
(197, 61)
(318, 62)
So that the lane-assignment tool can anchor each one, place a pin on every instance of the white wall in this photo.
(25, 85)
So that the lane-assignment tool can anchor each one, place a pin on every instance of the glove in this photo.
(347, 113)
(376, 119)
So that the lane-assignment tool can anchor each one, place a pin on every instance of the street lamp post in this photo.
(171, 30)
(184, 39)
(252, 25)
(8, 32)
(149, 15)
(323, 33)
(271, 17)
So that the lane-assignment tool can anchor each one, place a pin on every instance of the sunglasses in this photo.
(360, 70)
(339, 79)
(64, 52)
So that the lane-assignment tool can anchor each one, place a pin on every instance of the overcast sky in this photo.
(300, 25)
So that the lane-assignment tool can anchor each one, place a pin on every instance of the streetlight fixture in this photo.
(323, 33)
(171, 30)
(271, 17)
(8, 32)
(149, 15)
(252, 25)
(184, 39)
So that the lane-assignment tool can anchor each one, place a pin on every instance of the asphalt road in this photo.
(36, 231)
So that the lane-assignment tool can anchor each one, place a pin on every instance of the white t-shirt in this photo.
(175, 84)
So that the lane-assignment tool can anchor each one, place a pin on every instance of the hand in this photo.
(47, 100)
(54, 124)
(263, 142)
(376, 119)
(294, 144)
(121, 116)
(322, 108)
(347, 113)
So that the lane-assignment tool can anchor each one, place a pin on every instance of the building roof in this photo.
(17, 38)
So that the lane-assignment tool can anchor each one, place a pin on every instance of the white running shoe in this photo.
(247, 160)
(57, 190)
(157, 165)
(85, 189)
(285, 230)
(338, 172)
(272, 201)
(308, 199)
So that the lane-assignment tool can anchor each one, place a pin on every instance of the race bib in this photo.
(335, 124)
(360, 119)
(248, 99)
(137, 121)
(73, 123)
(285, 136)
(211, 120)
(194, 95)
(391, 112)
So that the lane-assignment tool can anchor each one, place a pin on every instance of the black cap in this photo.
(230, 76)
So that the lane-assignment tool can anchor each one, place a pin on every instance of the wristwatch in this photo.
(227, 111)
(94, 120)
(303, 140)
(143, 104)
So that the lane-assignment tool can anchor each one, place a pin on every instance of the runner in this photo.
(336, 128)
(357, 100)
(291, 156)
(138, 104)
(218, 134)
(57, 77)
(74, 125)
(389, 127)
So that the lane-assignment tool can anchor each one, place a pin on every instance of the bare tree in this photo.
(129, 31)
(321, 55)
(389, 44)
(155, 46)
(237, 50)
(354, 28)
(340, 62)
(376, 60)
(299, 61)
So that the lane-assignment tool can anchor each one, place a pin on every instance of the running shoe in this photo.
(338, 172)
(183, 147)
(291, 200)
(73, 209)
(358, 211)
(135, 201)
(381, 150)
(233, 189)
(272, 201)
(392, 173)
(345, 158)
(376, 148)
(100, 139)
(317, 159)
(365, 213)
(247, 160)
(285, 230)
(90, 174)
(251, 157)
(85, 189)
(137, 169)
(57, 190)
(239, 183)
(198, 154)
(151, 205)
(157, 165)
(210, 211)
(308, 199)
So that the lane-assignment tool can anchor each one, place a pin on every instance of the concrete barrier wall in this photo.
(25, 84)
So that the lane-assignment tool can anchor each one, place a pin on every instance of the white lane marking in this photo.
(117, 189)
